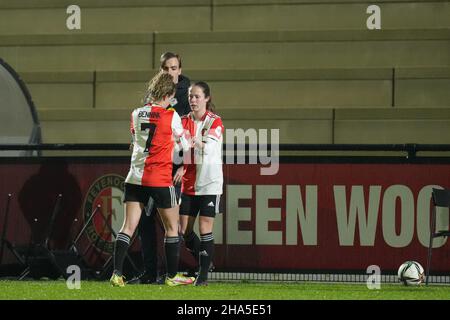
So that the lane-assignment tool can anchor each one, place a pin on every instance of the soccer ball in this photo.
(411, 273)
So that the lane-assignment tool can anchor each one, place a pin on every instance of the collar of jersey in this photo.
(153, 105)
(203, 117)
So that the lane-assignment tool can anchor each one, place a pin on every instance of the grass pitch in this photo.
(94, 290)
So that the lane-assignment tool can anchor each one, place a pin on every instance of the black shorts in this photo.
(206, 205)
(164, 197)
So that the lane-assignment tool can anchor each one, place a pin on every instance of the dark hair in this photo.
(166, 56)
(207, 92)
(159, 86)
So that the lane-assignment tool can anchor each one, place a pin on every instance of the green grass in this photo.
(91, 290)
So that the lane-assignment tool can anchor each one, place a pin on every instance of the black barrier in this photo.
(410, 149)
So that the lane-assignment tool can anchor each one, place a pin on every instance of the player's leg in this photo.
(208, 211)
(133, 207)
(206, 253)
(147, 235)
(168, 209)
(188, 212)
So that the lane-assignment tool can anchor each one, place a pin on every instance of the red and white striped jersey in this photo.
(204, 174)
(154, 131)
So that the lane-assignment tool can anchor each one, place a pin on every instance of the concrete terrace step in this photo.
(229, 50)
(231, 113)
(112, 125)
(309, 125)
(424, 113)
(319, 15)
(49, 16)
(242, 74)
(280, 113)
(395, 125)
(144, 37)
(336, 87)
(34, 4)
(321, 49)
(262, 90)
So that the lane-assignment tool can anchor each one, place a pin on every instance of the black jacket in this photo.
(182, 107)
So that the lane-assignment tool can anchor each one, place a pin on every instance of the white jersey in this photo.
(204, 175)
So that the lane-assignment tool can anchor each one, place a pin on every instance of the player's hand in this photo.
(197, 143)
(178, 175)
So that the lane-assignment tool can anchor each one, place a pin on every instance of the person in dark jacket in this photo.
(148, 225)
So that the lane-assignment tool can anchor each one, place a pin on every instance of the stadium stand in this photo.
(310, 66)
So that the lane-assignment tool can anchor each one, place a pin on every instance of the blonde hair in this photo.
(159, 86)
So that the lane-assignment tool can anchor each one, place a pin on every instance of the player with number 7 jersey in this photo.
(156, 131)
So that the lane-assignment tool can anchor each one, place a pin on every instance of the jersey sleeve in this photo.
(132, 126)
(215, 132)
(132, 123)
(212, 140)
(179, 133)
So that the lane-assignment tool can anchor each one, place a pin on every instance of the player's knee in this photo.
(171, 231)
(206, 227)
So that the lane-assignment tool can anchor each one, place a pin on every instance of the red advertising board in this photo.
(333, 216)
(313, 216)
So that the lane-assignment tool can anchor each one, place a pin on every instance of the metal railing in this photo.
(410, 149)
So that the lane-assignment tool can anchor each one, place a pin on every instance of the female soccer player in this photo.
(169, 63)
(155, 132)
(202, 177)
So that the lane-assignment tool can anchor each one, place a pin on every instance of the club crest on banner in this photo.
(107, 191)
